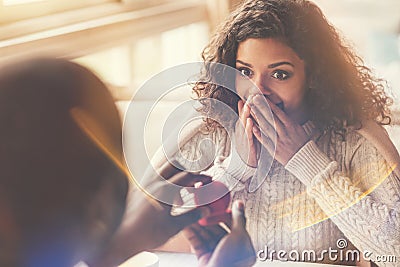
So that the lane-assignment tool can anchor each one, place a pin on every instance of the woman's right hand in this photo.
(246, 144)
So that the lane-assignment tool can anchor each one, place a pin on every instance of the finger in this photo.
(225, 217)
(240, 124)
(167, 170)
(250, 140)
(169, 191)
(197, 242)
(187, 179)
(253, 117)
(249, 131)
(164, 172)
(210, 235)
(240, 107)
(261, 103)
(241, 110)
(280, 115)
(246, 110)
(199, 231)
(267, 127)
(191, 217)
(178, 201)
(264, 140)
(217, 231)
(258, 146)
(238, 218)
(182, 180)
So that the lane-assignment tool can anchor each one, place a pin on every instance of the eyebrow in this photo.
(274, 65)
(270, 66)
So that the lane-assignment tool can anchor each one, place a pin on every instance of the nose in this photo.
(262, 86)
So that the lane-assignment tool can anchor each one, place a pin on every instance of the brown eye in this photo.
(245, 72)
(281, 75)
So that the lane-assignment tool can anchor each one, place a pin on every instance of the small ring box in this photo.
(217, 197)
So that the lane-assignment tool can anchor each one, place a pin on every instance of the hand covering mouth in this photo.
(278, 104)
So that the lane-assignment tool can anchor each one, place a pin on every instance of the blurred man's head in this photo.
(62, 194)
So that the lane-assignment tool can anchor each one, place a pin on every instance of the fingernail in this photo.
(257, 99)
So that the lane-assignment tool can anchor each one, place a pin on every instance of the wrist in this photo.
(307, 163)
(238, 168)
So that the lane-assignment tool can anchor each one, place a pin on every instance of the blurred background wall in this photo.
(127, 41)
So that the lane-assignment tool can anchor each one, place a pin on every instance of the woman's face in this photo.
(277, 71)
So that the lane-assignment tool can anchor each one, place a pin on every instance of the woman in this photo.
(332, 179)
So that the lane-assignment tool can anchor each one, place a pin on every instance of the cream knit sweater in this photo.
(330, 191)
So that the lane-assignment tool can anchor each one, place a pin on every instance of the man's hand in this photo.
(149, 223)
(215, 247)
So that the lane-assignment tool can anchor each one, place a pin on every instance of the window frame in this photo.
(79, 32)
(23, 11)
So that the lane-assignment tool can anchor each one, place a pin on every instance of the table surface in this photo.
(168, 259)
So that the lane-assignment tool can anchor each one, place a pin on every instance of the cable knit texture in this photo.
(329, 190)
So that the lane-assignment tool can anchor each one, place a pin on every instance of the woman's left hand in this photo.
(287, 135)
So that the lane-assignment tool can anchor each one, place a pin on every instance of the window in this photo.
(17, 10)
(124, 42)
(18, 2)
(100, 24)
(125, 68)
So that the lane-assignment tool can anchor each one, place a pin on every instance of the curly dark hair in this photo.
(342, 90)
